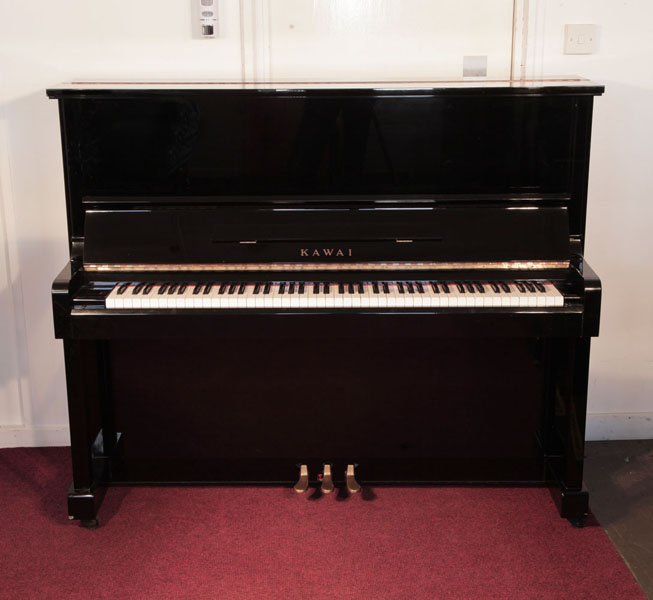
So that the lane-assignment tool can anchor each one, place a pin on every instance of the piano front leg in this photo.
(92, 437)
(566, 441)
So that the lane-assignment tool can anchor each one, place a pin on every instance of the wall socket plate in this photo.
(581, 39)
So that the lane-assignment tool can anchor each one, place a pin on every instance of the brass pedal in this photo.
(302, 484)
(327, 480)
(353, 487)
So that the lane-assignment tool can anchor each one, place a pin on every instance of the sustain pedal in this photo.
(302, 484)
(353, 487)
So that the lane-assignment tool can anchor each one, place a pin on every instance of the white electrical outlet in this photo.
(205, 18)
(581, 39)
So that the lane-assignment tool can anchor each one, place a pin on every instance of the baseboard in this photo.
(18, 437)
(600, 426)
(619, 426)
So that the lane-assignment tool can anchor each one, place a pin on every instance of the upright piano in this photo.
(352, 284)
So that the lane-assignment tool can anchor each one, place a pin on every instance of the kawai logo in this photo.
(325, 252)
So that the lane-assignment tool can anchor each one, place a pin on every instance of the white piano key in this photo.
(185, 300)
(321, 298)
(356, 298)
(487, 295)
(113, 298)
(331, 296)
(418, 300)
(380, 300)
(347, 298)
(552, 295)
(541, 298)
(215, 297)
(339, 298)
(294, 298)
(249, 298)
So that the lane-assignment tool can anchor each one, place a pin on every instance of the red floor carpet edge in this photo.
(222, 543)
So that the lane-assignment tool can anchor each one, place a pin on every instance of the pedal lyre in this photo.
(302, 484)
(353, 487)
(327, 480)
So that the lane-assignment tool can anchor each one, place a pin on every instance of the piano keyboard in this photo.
(284, 294)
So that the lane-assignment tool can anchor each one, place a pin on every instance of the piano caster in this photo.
(353, 487)
(327, 480)
(90, 523)
(302, 484)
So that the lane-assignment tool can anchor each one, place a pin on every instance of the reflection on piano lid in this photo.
(344, 266)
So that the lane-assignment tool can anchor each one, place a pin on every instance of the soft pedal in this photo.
(302, 483)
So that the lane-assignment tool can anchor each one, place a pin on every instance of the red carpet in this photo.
(223, 543)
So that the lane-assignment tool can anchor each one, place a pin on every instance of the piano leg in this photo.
(567, 439)
(87, 394)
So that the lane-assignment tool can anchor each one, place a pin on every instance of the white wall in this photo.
(620, 212)
(326, 39)
(42, 44)
(370, 39)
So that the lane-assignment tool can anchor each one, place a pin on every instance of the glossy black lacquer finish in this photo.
(437, 175)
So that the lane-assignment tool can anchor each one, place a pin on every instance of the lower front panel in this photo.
(403, 410)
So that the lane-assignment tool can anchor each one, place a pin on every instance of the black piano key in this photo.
(291, 288)
(182, 289)
(470, 287)
(461, 287)
(316, 288)
(386, 288)
(434, 287)
(375, 287)
(495, 287)
(267, 288)
(409, 287)
(350, 288)
(520, 287)
(223, 289)
(529, 286)
(172, 289)
(420, 287)
(162, 289)
(400, 287)
(480, 288)
(257, 288)
(242, 288)
(138, 288)
(148, 289)
(539, 286)
(505, 287)
(282, 288)
(341, 288)
(197, 289)
(207, 288)
(301, 288)
(361, 288)
(326, 288)
(445, 288)
(123, 288)
(232, 288)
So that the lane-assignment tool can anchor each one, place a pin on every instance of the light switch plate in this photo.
(581, 39)
(205, 19)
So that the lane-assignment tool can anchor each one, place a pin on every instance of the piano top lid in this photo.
(517, 87)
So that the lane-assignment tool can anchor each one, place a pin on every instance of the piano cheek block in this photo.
(371, 291)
